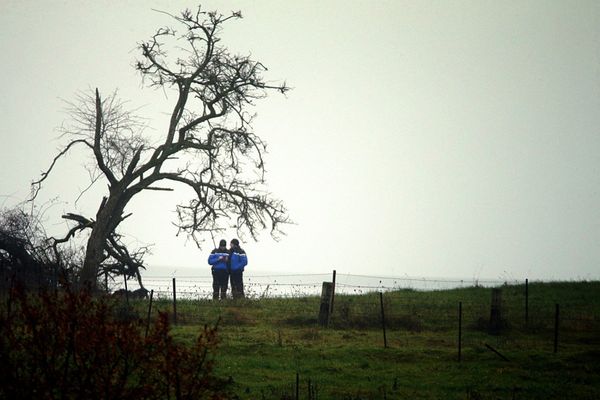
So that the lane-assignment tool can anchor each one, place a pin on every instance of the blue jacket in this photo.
(237, 259)
(219, 259)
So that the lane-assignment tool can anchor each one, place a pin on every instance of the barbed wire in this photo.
(444, 280)
(279, 285)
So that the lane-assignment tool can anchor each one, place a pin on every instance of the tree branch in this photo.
(98, 134)
(37, 185)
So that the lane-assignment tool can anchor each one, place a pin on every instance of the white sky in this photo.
(422, 138)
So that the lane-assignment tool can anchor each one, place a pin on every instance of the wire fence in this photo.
(299, 285)
(407, 304)
(396, 305)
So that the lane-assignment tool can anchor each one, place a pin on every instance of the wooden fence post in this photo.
(382, 319)
(496, 312)
(526, 302)
(325, 303)
(332, 299)
(459, 330)
(556, 329)
(174, 303)
(149, 312)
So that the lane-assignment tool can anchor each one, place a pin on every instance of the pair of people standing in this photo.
(228, 264)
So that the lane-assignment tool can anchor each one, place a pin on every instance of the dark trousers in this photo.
(237, 284)
(220, 278)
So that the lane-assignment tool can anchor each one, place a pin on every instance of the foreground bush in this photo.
(71, 345)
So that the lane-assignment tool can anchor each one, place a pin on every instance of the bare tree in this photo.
(208, 145)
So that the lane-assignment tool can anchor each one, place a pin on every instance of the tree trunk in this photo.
(107, 219)
(94, 255)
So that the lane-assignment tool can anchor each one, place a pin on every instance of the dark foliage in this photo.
(36, 260)
(71, 345)
(26, 254)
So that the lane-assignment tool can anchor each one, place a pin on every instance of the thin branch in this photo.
(37, 185)
(98, 134)
(92, 182)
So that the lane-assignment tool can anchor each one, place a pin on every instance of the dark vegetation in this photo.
(68, 345)
(59, 340)
(27, 255)
(36, 260)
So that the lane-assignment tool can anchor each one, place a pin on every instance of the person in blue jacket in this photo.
(219, 259)
(237, 261)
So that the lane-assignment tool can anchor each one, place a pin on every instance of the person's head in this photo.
(235, 243)
(223, 243)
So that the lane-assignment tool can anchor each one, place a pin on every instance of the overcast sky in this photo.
(422, 138)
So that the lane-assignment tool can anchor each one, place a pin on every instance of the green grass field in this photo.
(266, 342)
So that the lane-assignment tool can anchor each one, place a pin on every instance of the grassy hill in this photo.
(266, 342)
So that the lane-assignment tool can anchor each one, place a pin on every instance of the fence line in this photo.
(309, 284)
(418, 308)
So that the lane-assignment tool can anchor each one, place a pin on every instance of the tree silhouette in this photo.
(208, 145)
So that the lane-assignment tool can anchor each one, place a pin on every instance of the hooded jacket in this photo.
(216, 261)
(237, 259)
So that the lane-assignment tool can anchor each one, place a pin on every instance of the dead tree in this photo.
(207, 146)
